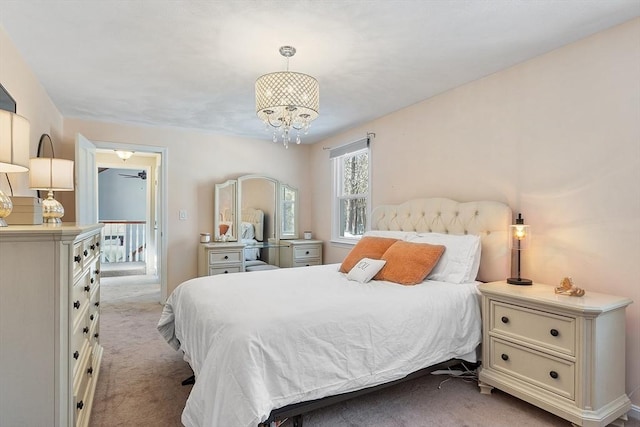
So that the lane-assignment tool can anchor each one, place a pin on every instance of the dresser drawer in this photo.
(539, 328)
(81, 389)
(79, 344)
(303, 252)
(553, 374)
(224, 257)
(224, 270)
(307, 263)
(77, 259)
(80, 296)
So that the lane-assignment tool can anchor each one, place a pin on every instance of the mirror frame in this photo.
(216, 208)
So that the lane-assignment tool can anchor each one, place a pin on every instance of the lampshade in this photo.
(52, 175)
(14, 132)
(520, 238)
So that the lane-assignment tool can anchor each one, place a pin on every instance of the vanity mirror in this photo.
(225, 211)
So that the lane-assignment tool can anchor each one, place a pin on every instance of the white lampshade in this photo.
(51, 174)
(14, 134)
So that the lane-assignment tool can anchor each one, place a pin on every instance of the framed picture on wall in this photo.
(6, 101)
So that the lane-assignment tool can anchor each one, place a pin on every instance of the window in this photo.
(351, 191)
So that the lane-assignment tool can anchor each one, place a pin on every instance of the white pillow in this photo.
(365, 269)
(392, 234)
(461, 259)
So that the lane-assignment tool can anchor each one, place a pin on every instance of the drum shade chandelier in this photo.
(287, 101)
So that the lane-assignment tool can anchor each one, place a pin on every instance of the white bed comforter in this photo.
(261, 341)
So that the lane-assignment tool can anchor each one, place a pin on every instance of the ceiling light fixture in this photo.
(124, 155)
(287, 101)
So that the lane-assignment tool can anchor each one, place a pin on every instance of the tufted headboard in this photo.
(256, 218)
(488, 219)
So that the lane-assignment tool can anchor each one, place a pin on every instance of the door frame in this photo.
(162, 201)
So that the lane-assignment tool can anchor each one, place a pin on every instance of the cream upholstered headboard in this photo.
(488, 219)
(255, 217)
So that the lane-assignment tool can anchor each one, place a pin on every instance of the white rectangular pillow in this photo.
(461, 259)
(365, 269)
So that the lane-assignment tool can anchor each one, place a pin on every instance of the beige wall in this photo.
(557, 138)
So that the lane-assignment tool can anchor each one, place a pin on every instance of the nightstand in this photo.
(300, 253)
(220, 258)
(563, 354)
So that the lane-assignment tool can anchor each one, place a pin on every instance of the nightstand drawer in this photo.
(221, 257)
(540, 328)
(302, 252)
(550, 373)
(225, 270)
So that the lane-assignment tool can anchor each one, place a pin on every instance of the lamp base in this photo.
(6, 206)
(519, 281)
(52, 210)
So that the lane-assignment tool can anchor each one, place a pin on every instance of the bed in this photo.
(113, 249)
(273, 344)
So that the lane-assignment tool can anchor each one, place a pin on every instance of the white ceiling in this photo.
(193, 64)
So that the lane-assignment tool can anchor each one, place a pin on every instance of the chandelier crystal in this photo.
(287, 101)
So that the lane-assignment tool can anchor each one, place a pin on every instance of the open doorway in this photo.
(129, 206)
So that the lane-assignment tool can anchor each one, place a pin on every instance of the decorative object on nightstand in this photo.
(563, 354)
(14, 130)
(520, 237)
(51, 174)
(568, 288)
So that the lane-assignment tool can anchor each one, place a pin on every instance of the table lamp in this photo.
(520, 238)
(51, 175)
(14, 129)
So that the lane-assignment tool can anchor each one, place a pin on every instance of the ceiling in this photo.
(193, 64)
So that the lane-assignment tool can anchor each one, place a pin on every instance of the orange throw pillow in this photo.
(368, 247)
(409, 263)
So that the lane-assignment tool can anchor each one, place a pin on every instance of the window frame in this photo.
(337, 177)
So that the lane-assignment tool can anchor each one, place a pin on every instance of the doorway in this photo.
(136, 248)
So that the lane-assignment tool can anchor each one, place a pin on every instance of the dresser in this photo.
(49, 324)
(564, 354)
(220, 258)
(300, 253)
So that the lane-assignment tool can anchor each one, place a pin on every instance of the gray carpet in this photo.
(139, 383)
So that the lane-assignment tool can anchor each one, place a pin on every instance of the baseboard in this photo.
(634, 412)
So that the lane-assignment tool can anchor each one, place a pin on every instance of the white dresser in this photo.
(49, 324)
(564, 354)
(300, 253)
(220, 258)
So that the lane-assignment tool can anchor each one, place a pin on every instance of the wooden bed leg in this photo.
(297, 421)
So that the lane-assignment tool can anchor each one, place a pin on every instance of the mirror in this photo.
(257, 203)
(288, 212)
(225, 211)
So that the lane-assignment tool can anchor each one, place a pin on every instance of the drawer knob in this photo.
(77, 259)
(92, 280)
(553, 374)
(76, 304)
(85, 330)
(225, 272)
(80, 405)
(93, 247)
(87, 288)
(90, 370)
(98, 244)
(97, 303)
(96, 335)
(554, 332)
(226, 257)
(505, 319)
(76, 354)
(97, 271)
(85, 252)
(505, 357)
(307, 253)
(91, 317)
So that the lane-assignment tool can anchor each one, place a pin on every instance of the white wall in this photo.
(557, 138)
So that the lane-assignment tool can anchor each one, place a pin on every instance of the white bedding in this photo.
(264, 340)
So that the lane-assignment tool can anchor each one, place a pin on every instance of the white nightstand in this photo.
(300, 253)
(220, 258)
(564, 354)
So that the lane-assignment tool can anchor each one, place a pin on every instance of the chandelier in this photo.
(287, 101)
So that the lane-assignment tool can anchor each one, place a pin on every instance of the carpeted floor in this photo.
(139, 383)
